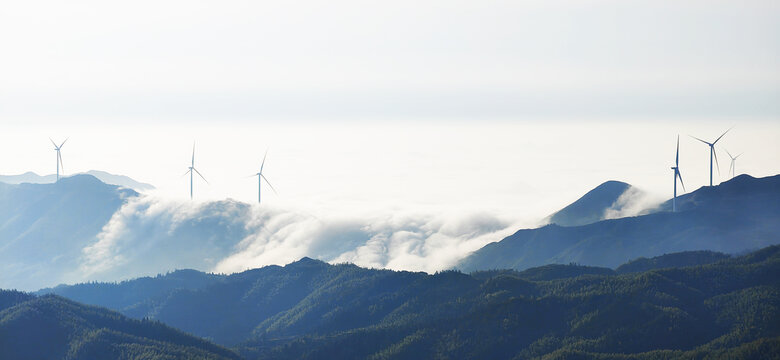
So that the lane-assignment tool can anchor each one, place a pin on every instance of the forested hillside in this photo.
(727, 309)
(310, 309)
(51, 327)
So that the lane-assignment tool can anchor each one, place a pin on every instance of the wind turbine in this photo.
(733, 166)
(712, 151)
(192, 170)
(59, 157)
(261, 177)
(677, 175)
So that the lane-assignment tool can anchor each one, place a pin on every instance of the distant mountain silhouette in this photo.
(608, 200)
(28, 177)
(43, 227)
(738, 215)
(120, 180)
(52, 327)
(312, 310)
(61, 233)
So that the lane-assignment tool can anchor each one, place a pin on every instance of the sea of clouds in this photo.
(151, 235)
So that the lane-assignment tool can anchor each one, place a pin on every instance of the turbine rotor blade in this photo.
(53, 143)
(677, 157)
(727, 152)
(263, 163)
(185, 173)
(700, 139)
(716, 140)
(716, 157)
(269, 184)
(679, 175)
(63, 143)
(193, 154)
(201, 176)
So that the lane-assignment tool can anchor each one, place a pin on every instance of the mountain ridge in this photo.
(43, 227)
(591, 207)
(106, 177)
(53, 327)
(738, 215)
(310, 309)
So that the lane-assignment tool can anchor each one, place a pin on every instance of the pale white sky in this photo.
(174, 60)
(511, 107)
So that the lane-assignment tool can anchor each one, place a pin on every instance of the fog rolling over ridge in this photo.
(149, 235)
(107, 233)
(44, 227)
(610, 200)
(81, 229)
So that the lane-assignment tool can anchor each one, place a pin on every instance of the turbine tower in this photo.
(59, 157)
(677, 175)
(260, 178)
(192, 170)
(733, 166)
(712, 151)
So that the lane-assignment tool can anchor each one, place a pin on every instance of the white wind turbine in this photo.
(712, 151)
(677, 175)
(192, 170)
(733, 166)
(260, 178)
(59, 157)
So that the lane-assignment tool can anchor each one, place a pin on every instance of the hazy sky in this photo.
(512, 107)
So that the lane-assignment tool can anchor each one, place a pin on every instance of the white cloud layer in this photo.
(150, 235)
(632, 202)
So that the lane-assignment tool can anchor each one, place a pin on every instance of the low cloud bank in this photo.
(632, 202)
(149, 235)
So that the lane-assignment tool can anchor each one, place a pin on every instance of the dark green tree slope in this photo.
(310, 309)
(51, 327)
(137, 297)
(727, 309)
(681, 259)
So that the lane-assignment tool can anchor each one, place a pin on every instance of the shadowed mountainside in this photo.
(592, 206)
(736, 216)
(43, 227)
(51, 327)
(310, 309)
